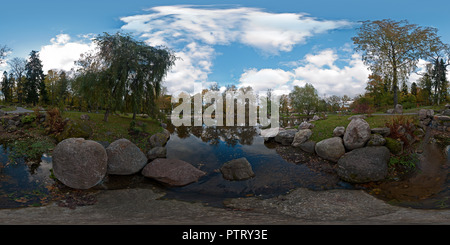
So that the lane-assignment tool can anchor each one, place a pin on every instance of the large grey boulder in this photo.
(357, 134)
(79, 163)
(330, 149)
(173, 172)
(301, 136)
(237, 169)
(286, 137)
(364, 164)
(125, 158)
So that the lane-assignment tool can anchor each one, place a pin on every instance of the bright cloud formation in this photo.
(62, 52)
(197, 30)
(318, 69)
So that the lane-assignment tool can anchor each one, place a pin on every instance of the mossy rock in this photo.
(75, 130)
(394, 146)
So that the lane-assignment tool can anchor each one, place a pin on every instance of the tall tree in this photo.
(124, 68)
(393, 48)
(34, 85)
(304, 99)
(6, 87)
(18, 66)
(4, 50)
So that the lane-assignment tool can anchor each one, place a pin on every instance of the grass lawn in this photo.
(323, 129)
(117, 127)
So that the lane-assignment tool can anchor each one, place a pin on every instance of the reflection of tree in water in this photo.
(213, 135)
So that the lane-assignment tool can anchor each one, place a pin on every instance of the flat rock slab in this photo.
(173, 172)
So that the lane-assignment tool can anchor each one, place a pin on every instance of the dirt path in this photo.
(301, 206)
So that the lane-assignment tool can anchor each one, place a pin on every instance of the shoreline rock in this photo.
(79, 163)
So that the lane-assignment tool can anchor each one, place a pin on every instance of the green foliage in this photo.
(304, 99)
(34, 80)
(123, 70)
(392, 49)
(403, 165)
(28, 119)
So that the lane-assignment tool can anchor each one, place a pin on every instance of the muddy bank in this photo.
(301, 206)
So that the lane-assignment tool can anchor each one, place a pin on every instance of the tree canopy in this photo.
(392, 49)
(123, 70)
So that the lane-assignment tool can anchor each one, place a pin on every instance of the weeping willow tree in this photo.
(123, 69)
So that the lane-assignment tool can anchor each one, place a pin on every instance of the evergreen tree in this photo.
(6, 88)
(34, 80)
(414, 88)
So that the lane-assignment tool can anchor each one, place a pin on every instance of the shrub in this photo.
(54, 123)
(402, 128)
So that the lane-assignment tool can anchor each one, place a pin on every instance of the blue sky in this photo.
(263, 44)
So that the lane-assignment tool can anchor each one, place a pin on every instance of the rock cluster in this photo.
(440, 121)
(359, 151)
(82, 164)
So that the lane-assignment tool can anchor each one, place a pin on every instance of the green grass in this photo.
(9, 108)
(323, 129)
(116, 127)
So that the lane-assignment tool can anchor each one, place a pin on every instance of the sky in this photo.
(264, 44)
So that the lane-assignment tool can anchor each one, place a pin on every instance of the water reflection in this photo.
(208, 148)
(21, 184)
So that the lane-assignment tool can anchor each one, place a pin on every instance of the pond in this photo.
(22, 184)
(278, 169)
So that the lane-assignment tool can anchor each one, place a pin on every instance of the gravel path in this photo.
(18, 110)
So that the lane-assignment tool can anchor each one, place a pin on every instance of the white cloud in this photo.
(62, 52)
(269, 32)
(318, 69)
(264, 79)
(193, 31)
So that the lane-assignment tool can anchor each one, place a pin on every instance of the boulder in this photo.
(159, 139)
(301, 136)
(330, 149)
(315, 118)
(364, 164)
(237, 169)
(79, 163)
(305, 125)
(357, 116)
(85, 117)
(425, 113)
(376, 140)
(157, 152)
(125, 158)
(398, 109)
(357, 134)
(339, 131)
(286, 137)
(381, 131)
(390, 111)
(172, 172)
(269, 133)
(308, 146)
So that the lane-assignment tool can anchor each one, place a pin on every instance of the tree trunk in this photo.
(105, 118)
